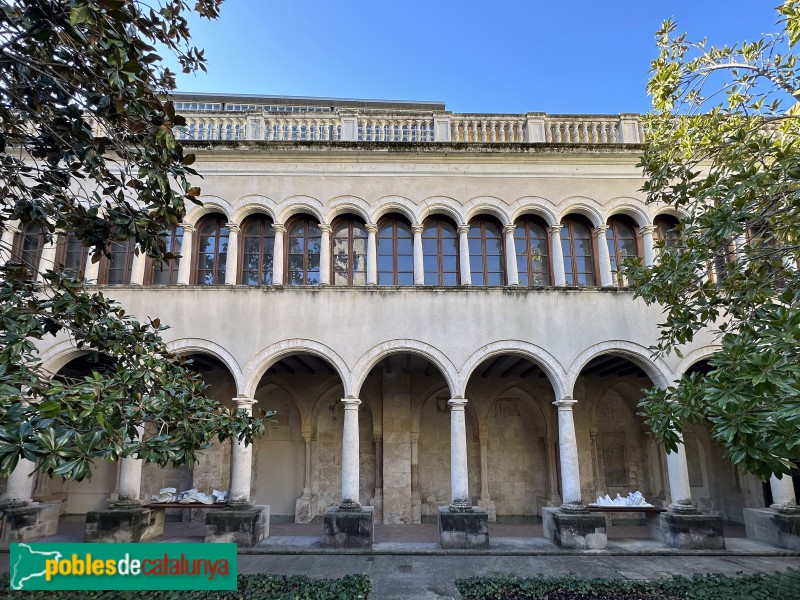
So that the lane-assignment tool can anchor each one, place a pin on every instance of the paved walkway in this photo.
(407, 563)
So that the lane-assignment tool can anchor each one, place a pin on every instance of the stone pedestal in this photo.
(303, 508)
(490, 507)
(770, 527)
(688, 531)
(577, 530)
(349, 528)
(123, 524)
(244, 525)
(463, 529)
(25, 522)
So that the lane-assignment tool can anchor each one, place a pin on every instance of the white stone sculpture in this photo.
(192, 496)
(632, 499)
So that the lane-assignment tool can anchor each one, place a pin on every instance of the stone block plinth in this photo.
(25, 522)
(688, 531)
(349, 528)
(770, 527)
(244, 526)
(463, 529)
(577, 530)
(123, 524)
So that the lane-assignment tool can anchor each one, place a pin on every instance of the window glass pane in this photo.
(583, 247)
(360, 278)
(385, 263)
(314, 245)
(313, 262)
(403, 230)
(405, 263)
(474, 247)
(449, 263)
(296, 245)
(385, 247)
(584, 264)
(494, 246)
(341, 229)
(339, 278)
(475, 230)
(566, 249)
(628, 248)
(405, 279)
(405, 246)
(448, 229)
(493, 263)
(475, 264)
(340, 246)
(430, 264)
(449, 279)
(477, 279)
(313, 230)
(495, 279)
(359, 230)
(492, 230)
(312, 278)
(295, 262)
(298, 229)
(429, 247)
(360, 246)
(523, 278)
(449, 246)
(385, 278)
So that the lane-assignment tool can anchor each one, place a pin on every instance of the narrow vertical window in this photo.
(485, 239)
(440, 250)
(212, 250)
(302, 252)
(258, 249)
(115, 269)
(532, 246)
(578, 249)
(621, 239)
(28, 245)
(395, 252)
(167, 272)
(349, 252)
(71, 256)
(666, 229)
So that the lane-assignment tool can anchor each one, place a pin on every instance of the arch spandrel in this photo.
(211, 205)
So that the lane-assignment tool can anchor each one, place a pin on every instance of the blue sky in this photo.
(491, 56)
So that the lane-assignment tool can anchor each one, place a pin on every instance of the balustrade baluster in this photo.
(603, 134)
(613, 129)
(502, 134)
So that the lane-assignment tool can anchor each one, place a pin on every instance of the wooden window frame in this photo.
(307, 221)
(439, 256)
(171, 266)
(61, 254)
(350, 238)
(265, 227)
(105, 264)
(613, 225)
(221, 223)
(567, 223)
(484, 262)
(524, 222)
(18, 248)
(394, 220)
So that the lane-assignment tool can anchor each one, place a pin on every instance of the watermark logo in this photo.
(123, 566)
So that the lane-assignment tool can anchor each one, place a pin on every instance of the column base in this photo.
(463, 529)
(688, 530)
(580, 530)
(349, 528)
(775, 528)
(27, 521)
(242, 525)
(129, 524)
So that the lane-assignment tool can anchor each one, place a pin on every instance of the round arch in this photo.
(57, 356)
(252, 205)
(629, 207)
(582, 206)
(441, 205)
(211, 205)
(343, 205)
(258, 365)
(487, 205)
(377, 353)
(184, 346)
(394, 204)
(534, 206)
(295, 205)
(656, 370)
(695, 356)
(670, 211)
(548, 363)
(546, 414)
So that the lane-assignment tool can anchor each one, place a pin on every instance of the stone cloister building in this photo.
(441, 290)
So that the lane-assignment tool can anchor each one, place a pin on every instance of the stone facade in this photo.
(392, 362)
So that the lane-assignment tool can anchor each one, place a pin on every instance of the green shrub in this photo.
(714, 586)
(263, 586)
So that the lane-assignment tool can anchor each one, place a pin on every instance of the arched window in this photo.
(71, 256)
(578, 250)
(258, 249)
(621, 239)
(486, 252)
(533, 252)
(116, 269)
(666, 229)
(395, 252)
(167, 272)
(349, 252)
(302, 252)
(28, 245)
(440, 251)
(212, 250)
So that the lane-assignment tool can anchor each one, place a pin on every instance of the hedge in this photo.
(251, 587)
(713, 586)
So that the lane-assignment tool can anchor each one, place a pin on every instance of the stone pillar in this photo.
(325, 254)
(303, 509)
(232, 257)
(419, 267)
(511, 255)
(603, 257)
(19, 486)
(559, 278)
(138, 267)
(647, 245)
(459, 475)
(47, 259)
(739, 242)
(783, 499)
(552, 470)
(129, 488)
(372, 254)
(463, 253)
(416, 501)
(678, 473)
(92, 271)
(350, 455)
(277, 259)
(242, 460)
(185, 263)
(568, 451)
(377, 496)
(485, 501)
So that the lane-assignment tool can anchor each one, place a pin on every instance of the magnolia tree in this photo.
(87, 150)
(722, 151)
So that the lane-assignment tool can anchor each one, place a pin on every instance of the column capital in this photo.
(234, 227)
(371, 227)
(187, 227)
(457, 403)
(279, 227)
(351, 403)
(565, 403)
(509, 228)
(417, 228)
(325, 228)
(244, 402)
(647, 229)
(463, 229)
(554, 229)
(601, 229)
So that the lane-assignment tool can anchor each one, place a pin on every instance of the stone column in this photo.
(568, 451)
(550, 447)
(350, 455)
(647, 245)
(484, 447)
(325, 254)
(511, 255)
(416, 501)
(463, 253)
(302, 506)
(678, 473)
(419, 267)
(242, 460)
(232, 257)
(19, 486)
(307, 466)
(372, 254)
(185, 263)
(559, 278)
(277, 258)
(459, 475)
(129, 488)
(603, 257)
(92, 271)
(137, 268)
(47, 259)
(7, 242)
(783, 499)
